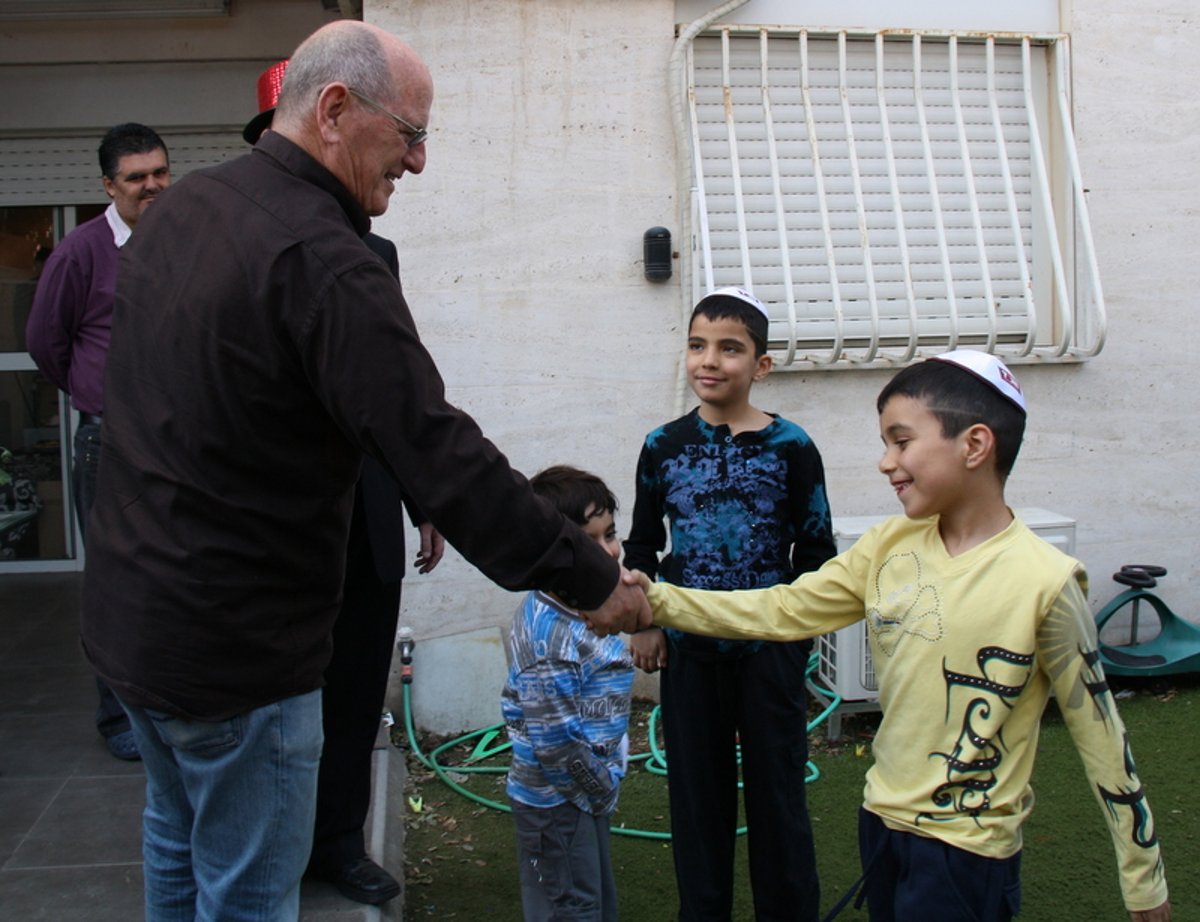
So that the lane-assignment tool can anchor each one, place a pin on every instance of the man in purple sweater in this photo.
(71, 320)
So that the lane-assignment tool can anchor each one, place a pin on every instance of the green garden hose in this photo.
(483, 743)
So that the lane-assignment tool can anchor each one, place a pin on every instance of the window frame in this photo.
(1065, 311)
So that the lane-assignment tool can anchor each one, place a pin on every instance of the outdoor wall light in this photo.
(656, 249)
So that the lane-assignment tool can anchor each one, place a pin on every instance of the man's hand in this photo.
(1157, 914)
(433, 545)
(626, 609)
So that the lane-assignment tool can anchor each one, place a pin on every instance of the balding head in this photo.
(341, 83)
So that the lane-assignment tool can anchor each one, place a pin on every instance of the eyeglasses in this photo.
(411, 133)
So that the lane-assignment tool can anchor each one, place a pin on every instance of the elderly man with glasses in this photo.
(259, 349)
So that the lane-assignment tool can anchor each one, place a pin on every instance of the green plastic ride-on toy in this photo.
(1174, 650)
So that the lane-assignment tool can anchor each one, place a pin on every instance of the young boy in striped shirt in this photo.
(566, 710)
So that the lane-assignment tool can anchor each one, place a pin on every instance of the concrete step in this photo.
(384, 833)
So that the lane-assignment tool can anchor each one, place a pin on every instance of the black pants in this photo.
(111, 718)
(915, 877)
(709, 704)
(351, 703)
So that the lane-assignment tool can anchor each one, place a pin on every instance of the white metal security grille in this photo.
(893, 194)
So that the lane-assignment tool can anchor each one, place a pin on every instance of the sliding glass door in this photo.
(37, 521)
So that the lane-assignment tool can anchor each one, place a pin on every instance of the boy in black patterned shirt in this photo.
(743, 494)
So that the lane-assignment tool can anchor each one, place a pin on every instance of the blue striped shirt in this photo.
(566, 709)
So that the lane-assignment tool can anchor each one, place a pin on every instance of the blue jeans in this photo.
(229, 811)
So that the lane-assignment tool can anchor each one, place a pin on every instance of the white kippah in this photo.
(988, 369)
(738, 294)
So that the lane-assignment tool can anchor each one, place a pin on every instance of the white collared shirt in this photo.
(120, 230)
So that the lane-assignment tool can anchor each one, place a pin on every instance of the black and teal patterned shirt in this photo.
(744, 511)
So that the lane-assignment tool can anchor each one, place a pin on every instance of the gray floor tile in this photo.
(32, 596)
(70, 814)
(22, 802)
(95, 894)
(54, 642)
(320, 902)
(56, 747)
(313, 914)
(92, 821)
(47, 691)
(11, 637)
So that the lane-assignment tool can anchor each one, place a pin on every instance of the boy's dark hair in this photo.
(959, 400)
(124, 139)
(722, 307)
(573, 492)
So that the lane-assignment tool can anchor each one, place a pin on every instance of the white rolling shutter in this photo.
(64, 170)
(892, 194)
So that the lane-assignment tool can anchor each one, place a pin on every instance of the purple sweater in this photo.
(71, 318)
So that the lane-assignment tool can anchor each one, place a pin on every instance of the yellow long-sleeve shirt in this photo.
(966, 651)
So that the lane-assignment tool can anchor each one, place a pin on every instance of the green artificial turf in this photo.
(460, 864)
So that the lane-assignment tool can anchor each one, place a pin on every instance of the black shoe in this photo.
(363, 881)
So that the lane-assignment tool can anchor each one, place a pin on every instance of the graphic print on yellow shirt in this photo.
(910, 606)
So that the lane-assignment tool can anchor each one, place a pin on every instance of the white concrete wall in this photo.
(551, 154)
(521, 248)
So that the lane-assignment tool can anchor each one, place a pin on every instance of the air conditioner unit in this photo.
(844, 657)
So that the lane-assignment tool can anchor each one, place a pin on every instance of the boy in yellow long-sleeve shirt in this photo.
(973, 620)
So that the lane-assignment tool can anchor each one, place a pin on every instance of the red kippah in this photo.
(270, 82)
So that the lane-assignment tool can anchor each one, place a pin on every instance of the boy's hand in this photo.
(626, 609)
(1157, 914)
(649, 649)
(636, 578)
